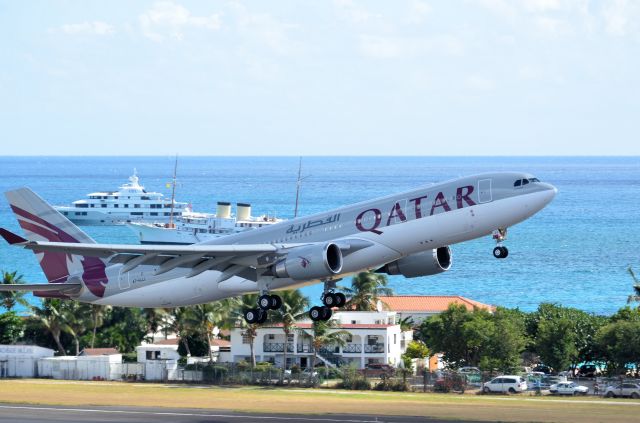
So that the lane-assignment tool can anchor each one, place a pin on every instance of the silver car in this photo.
(625, 389)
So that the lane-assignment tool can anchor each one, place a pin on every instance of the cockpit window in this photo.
(525, 181)
(534, 180)
(517, 183)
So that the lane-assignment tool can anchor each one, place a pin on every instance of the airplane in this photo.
(407, 234)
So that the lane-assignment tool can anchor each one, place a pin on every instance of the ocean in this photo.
(575, 252)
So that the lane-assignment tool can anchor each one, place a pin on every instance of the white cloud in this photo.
(418, 10)
(503, 8)
(391, 47)
(479, 83)
(552, 26)
(264, 29)
(169, 19)
(88, 28)
(621, 17)
(353, 12)
(542, 5)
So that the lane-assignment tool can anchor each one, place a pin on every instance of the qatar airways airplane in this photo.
(407, 234)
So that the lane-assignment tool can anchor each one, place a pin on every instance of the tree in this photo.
(556, 343)
(446, 333)
(635, 297)
(620, 343)
(415, 349)
(154, 317)
(97, 319)
(365, 289)
(11, 327)
(250, 329)
(506, 341)
(179, 321)
(294, 307)
(76, 317)
(124, 328)
(49, 315)
(324, 333)
(11, 298)
(203, 318)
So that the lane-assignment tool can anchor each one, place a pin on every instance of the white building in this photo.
(82, 367)
(21, 360)
(374, 337)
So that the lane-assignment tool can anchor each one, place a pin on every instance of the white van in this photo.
(504, 384)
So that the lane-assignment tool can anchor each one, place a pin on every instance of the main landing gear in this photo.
(266, 302)
(500, 251)
(330, 299)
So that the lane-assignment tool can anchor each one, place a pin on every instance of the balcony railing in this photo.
(276, 347)
(373, 349)
(352, 348)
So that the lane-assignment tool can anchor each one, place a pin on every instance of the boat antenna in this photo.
(173, 191)
(298, 184)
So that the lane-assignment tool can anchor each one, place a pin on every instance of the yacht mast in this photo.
(173, 192)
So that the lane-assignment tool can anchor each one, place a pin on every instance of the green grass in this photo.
(320, 401)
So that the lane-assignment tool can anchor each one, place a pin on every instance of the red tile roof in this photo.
(170, 341)
(430, 303)
(220, 342)
(99, 351)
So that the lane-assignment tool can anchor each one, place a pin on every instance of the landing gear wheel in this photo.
(262, 316)
(500, 252)
(264, 302)
(329, 299)
(276, 302)
(341, 299)
(326, 313)
(315, 313)
(251, 315)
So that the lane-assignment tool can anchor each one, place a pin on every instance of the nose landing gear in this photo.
(500, 251)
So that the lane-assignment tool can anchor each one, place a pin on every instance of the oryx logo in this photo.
(304, 262)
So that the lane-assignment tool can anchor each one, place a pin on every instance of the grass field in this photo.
(320, 401)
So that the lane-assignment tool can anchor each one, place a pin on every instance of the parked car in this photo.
(568, 388)
(504, 384)
(625, 389)
(588, 370)
(378, 370)
(468, 370)
(542, 368)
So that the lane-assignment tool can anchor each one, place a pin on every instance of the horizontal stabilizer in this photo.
(12, 238)
(44, 287)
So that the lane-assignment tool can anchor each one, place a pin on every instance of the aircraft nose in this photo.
(550, 190)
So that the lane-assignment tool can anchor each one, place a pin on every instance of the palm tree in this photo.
(365, 289)
(294, 307)
(325, 333)
(205, 317)
(179, 321)
(636, 288)
(250, 329)
(98, 313)
(50, 317)
(76, 317)
(11, 298)
(154, 317)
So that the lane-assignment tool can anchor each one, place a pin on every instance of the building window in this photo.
(271, 336)
(349, 338)
(395, 340)
(246, 339)
(153, 355)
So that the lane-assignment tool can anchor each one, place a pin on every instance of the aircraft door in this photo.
(123, 280)
(484, 191)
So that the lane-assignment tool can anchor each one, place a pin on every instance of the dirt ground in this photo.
(320, 401)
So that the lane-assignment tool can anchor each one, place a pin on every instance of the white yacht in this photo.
(131, 203)
(192, 227)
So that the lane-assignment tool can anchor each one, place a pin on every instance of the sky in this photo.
(468, 77)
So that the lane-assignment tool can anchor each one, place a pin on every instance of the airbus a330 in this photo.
(407, 234)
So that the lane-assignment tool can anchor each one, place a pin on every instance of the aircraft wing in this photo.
(233, 260)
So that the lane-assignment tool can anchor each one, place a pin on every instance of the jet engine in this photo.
(317, 261)
(420, 264)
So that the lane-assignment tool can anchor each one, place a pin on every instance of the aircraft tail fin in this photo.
(41, 222)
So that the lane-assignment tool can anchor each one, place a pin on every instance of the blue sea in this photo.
(575, 252)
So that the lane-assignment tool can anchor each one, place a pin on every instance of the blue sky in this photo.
(475, 77)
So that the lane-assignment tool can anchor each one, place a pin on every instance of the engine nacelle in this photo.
(310, 262)
(420, 264)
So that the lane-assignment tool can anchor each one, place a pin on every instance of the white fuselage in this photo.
(396, 239)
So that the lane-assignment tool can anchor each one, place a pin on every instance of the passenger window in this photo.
(518, 183)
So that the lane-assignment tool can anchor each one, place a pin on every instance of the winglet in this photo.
(12, 238)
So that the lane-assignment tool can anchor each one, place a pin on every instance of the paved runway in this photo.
(37, 414)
